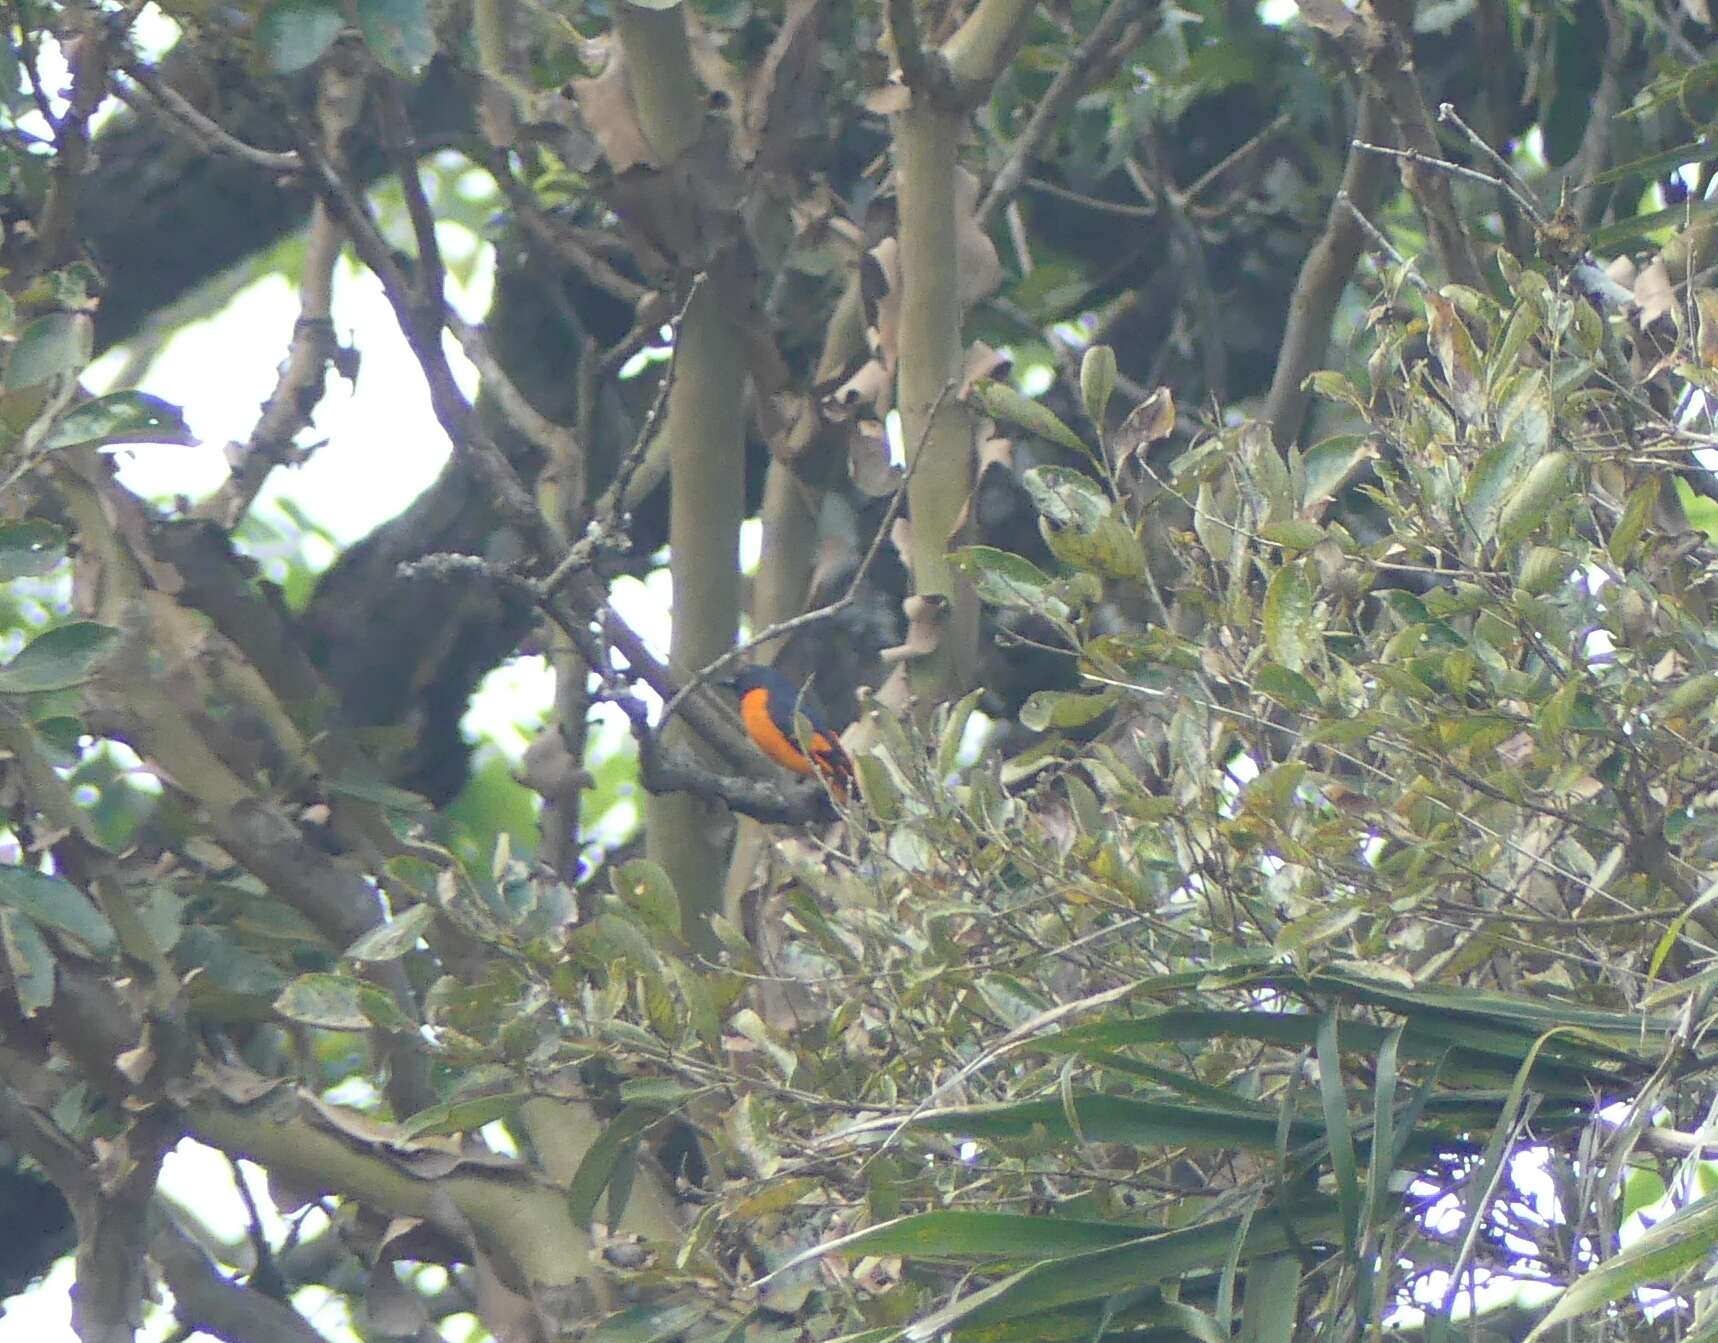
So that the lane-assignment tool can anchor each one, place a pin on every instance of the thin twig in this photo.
(606, 526)
(1441, 165)
(1324, 275)
(452, 411)
(1382, 243)
(431, 275)
(554, 440)
(179, 114)
(1070, 82)
(1512, 181)
(1120, 208)
(557, 240)
(297, 390)
(1191, 253)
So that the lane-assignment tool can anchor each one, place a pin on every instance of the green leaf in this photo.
(670, 1320)
(1110, 549)
(1064, 708)
(1328, 468)
(1065, 497)
(366, 788)
(602, 1159)
(398, 33)
(332, 1002)
(1002, 402)
(1289, 631)
(1660, 1255)
(1097, 380)
(1546, 482)
(1105, 1118)
(1142, 1263)
(1003, 578)
(1287, 687)
(123, 417)
(29, 549)
(393, 939)
(63, 657)
(293, 34)
(31, 961)
(1655, 165)
(646, 888)
(1692, 212)
(1636, 513)
(1334, 1099)
(975, 1236)
(58, 345)
(1293, 534)
(57, 904)
(464, 1116)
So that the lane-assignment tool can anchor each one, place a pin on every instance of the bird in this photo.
(768, 703)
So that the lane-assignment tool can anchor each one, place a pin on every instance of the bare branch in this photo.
(1324, 275)
(298, 390)
(1115, 32)
(180, 116)
(203, 1299)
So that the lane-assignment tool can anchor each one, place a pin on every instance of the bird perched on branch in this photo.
(768, 703)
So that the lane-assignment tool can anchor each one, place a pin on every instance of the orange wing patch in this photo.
(826, 757)
(771, 740)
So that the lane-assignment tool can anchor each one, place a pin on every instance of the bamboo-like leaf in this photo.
(1334, 1099)
(1662, 1254)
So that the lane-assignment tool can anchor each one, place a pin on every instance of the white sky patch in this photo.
(893, 437)
(383, 445)
(510, 704)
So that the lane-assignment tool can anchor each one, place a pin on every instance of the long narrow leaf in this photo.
(1337, 1133)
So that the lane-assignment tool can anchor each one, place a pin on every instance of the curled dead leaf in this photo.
(977, 263)
(868, 462)
(605, 106)
(1654, 294)
(1151, 421)
(889, 99)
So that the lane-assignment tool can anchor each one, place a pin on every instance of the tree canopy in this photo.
(1240, 471)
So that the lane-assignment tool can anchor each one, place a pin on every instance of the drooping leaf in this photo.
(398, 33)
(122, 417)
(1288, 617)
(29, 549)
(30, 959)
(1002, 402)
(393, 939)
(464, 1116)
(293, 34)
(1003, 578)
(1097, 380)
(63, 657)
(57, 904)
(333, 1002)
(54, 346)
(645, 887)
(603, 1157)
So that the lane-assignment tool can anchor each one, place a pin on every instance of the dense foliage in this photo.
(1239, 472)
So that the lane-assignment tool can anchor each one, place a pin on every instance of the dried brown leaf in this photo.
(1151, 421)
(605, 105)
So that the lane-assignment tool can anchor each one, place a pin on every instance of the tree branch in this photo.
(1324, 275)
(1114, 33)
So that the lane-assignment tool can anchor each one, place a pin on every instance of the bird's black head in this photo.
(786, 696)
(760, 678)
